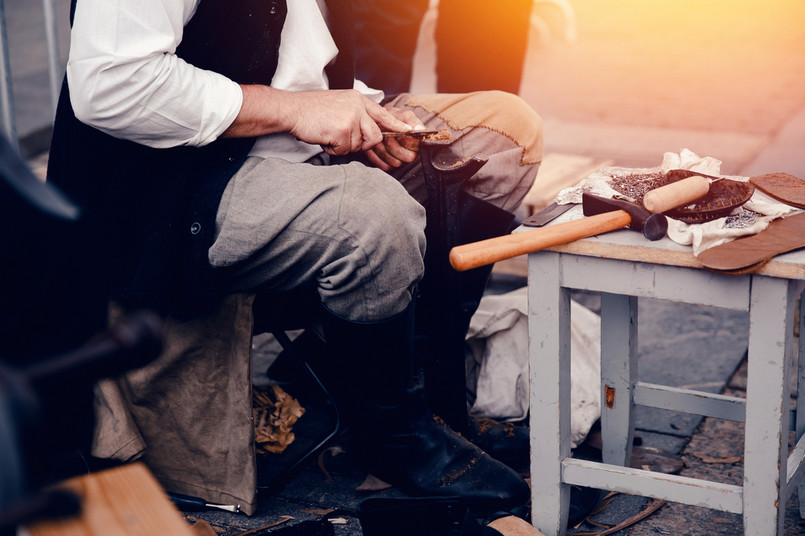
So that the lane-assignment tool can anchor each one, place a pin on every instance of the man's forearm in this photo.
(261, 113)
(341, 121)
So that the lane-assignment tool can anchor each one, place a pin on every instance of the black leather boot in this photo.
(392, 432)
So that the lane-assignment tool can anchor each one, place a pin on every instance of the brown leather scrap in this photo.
(748, 253)
(783, 187)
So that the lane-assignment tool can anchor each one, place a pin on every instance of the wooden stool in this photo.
(622, 266)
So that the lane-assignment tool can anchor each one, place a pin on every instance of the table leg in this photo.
(801, 397)
(618, 376)
(549, 354)
(767, 405)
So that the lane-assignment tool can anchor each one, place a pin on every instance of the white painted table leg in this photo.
(618, 376)
(801, 397)
(549, 353)
(766, 442)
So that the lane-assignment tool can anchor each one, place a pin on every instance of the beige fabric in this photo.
(188, 415)
(488, 109)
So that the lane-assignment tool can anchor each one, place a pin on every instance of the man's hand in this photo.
(341, 121)
(394, 151)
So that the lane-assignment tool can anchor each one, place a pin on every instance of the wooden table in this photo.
(623, 266)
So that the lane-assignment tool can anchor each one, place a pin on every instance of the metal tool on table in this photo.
(547, 215)
(602, 215)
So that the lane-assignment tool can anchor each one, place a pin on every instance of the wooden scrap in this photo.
(125, 500)
(203, 528)
(647, 511)
(727, 460)
(283, 519)
(514, 526)
(372, 483)
(317, 511)
(328, 453)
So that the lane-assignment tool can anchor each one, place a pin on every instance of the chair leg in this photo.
(286, 474)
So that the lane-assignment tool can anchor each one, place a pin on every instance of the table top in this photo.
(631, 246)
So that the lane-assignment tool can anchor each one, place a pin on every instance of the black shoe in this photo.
(506, 442)
(393, 434)
(422, 456)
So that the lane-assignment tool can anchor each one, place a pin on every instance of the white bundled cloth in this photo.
(497, 362)
(759, 210)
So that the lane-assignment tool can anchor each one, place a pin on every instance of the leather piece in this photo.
(495, 110)
(783, 187)
(749, 253)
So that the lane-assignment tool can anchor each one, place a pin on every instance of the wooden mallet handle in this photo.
(499, 248)
(676, 194)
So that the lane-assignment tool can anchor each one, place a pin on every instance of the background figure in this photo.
(479, 46)
(386, 37)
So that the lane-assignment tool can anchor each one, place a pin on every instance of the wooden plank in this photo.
(618, 375)
(685, 490)
(655, 281)
(549, 356)
(795, 468)
(632, 246)
(123, 501)
(771, 327)
(688, 401)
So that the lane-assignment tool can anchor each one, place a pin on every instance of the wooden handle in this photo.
(496, 249)
(676, 194)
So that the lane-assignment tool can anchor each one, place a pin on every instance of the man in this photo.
(226, 149)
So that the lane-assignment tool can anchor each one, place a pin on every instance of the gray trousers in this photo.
(354, 230)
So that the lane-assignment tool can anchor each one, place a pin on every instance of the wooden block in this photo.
(123, 501)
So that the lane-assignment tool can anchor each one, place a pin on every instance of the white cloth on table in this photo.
(757, 212)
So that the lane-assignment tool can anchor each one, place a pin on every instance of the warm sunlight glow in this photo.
(725, 59)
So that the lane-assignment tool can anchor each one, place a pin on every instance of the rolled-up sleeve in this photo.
(126, 80)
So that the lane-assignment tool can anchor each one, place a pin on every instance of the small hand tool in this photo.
(693, 197)
(412, 133)
(677, 194)
(603, 215)
(192, 504)
(547, 215)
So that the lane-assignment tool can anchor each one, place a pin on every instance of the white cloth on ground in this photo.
(498, 369)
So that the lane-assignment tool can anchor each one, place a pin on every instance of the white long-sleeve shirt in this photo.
(126, 80)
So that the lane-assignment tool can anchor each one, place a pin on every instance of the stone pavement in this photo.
(724, 78)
